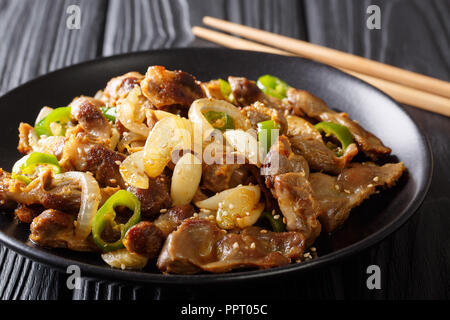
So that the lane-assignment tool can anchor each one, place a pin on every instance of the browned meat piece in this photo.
(107, 192)
(104, 163)
(87, 112)
(298, 204)
(269, 200)
(219, 177)
(47, 191)
(198, 245)
(24, 138)
(280, 159)
(170, 220)
(155, 198)
(55, 229)
(28, 142)
(258, 112)
(164, 88)
(121, 85)
(307, 141)
(145, 239)
(26, 214)
(338, 195)
(212, 89)
(81, 154)
(246, 92)
(304, 102)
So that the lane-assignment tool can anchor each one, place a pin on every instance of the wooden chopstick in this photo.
(335, 57)
(403, 94)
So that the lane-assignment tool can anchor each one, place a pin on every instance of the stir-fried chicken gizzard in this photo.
(192, 176)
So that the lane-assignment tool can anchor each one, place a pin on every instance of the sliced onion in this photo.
(212, 203)
(127, 139)
(238, 209)
(200, 106)
(245, 144)
(90, 198)
(124, 259)
(185, 179)
(45, 111)
(131, 113)
(244, 221)
(132, 170)
(168, 134)
(159, 114)
(115, 137)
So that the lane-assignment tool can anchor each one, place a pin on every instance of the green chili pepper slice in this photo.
(277, 224)
(339, 131)
(109, 113)
(265, 133)
(219, 120)
(27, 165)
(273, 86)
(60, 115)
(225, 89)
(107, 214)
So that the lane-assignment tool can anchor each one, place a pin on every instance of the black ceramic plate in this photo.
(369, 223)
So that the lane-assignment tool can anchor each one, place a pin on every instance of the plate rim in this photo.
(105, 272)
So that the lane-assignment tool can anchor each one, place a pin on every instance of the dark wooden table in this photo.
(414, 261)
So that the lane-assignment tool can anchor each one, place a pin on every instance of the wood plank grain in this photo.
(143, 25)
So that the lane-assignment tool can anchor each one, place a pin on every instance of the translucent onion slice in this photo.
(212, 203)
(168, 134)
(238, 209)
(132, 170)
(127, 139)
(45, 111)
(131, 113)
(159, 114)
(115, 138)
(200, 106)
(245, 144)
(185, 179)
(250, 219)
(90, 198)
(123, 259)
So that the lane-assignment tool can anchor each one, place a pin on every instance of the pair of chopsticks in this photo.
(404, 86)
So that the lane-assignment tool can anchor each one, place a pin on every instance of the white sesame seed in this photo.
(376, 179)
(263, 231)
(118, 162)
(235, 245)
(276, 217)
(163, 210)
(346, 191)
(336, 187)
(370, 185)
